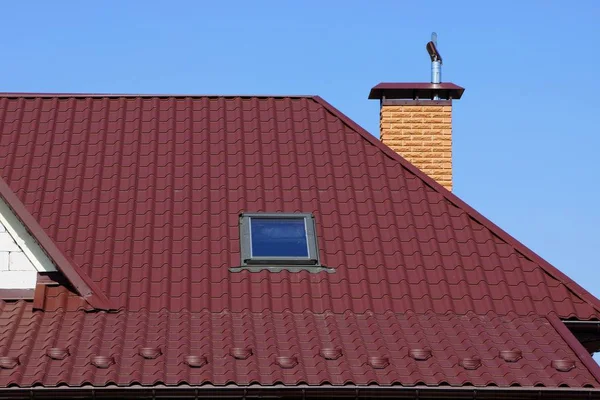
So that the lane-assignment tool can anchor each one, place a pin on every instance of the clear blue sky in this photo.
(526, 133)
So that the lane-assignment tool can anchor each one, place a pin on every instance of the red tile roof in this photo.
(142, 194)
(290, 348)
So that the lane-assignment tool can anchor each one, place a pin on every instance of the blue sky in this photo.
(526, 133)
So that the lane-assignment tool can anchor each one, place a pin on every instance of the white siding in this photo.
(18, 279)
(21, 257)
(4, 260)
(7, 243)
(18, 261)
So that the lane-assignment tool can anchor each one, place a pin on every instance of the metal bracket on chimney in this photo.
(416, 102)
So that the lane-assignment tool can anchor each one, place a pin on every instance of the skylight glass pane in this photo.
(278, 237)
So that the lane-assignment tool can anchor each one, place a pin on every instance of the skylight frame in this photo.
(247, 259)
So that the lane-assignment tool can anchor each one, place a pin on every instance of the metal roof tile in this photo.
(143, 195)
(269, 335)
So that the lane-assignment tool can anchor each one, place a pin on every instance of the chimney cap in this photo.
(414, 90)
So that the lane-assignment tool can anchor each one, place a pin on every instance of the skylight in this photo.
(274, 237)
(278, 239)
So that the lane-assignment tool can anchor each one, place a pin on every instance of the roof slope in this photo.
(143, 194)
(302, 337)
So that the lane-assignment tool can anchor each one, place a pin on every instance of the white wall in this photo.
(21, 257)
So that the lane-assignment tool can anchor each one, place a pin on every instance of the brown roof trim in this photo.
(452, 198)
(16, 294)
(418, 392)
(80, 281)
(575, 345)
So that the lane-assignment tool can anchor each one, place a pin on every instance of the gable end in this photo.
(41, 244)
(21, 257)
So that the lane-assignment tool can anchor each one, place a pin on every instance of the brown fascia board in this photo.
(84, 286)
(586, 332)
(583, 294)
(418, 392)
(17, 294)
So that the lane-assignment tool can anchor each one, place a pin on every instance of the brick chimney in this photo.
(416, 122)
(416, 119)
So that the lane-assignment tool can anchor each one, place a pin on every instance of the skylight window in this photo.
(274, 237)
(278, 239)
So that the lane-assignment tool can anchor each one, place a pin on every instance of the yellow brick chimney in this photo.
(416, 122)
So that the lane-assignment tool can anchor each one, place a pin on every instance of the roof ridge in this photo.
(86, 288)
(146, 95)
(548, 268)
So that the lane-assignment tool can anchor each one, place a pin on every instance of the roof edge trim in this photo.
(575, 345)
(571, 285)
(300, 391)
(82, 283)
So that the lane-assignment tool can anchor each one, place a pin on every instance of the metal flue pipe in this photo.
(436, 61)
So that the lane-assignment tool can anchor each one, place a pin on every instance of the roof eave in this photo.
(300, 392)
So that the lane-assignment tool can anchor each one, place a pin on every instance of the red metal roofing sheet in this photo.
(303, 338)
(143, 195)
